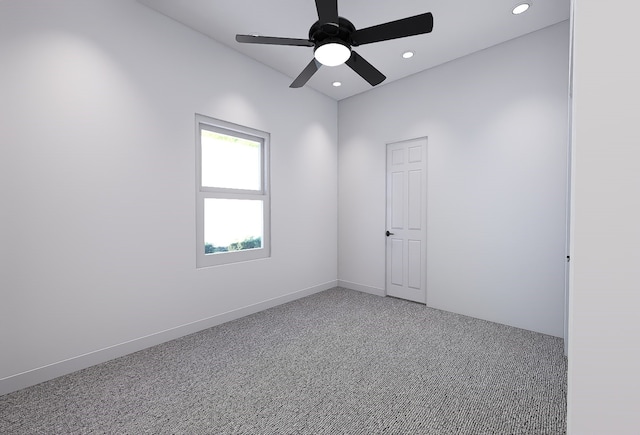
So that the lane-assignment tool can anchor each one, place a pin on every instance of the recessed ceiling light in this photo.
(336, 84)
(522, 7)
(407, 54)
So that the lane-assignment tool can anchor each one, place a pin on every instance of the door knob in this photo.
(388, 233)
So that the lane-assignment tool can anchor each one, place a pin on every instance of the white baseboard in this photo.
(51, 371)
(362, 288)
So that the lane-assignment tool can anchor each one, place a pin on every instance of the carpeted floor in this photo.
(338, 362)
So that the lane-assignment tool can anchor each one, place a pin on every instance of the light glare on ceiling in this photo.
(332, 54)
(336, 84)
(522, 7)
(407, 54)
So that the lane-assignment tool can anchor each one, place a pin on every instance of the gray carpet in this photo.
(338, 362)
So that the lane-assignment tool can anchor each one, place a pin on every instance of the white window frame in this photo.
(263, 194)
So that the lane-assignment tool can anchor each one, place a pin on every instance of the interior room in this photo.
(530, 198)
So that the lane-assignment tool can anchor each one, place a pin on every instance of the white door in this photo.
(406, 220)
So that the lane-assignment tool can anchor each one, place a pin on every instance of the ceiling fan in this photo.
(333, 36)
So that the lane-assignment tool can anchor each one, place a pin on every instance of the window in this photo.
(232, 193)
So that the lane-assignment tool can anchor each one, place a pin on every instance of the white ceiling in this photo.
(460, 27)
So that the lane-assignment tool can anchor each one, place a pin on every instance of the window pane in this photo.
(230, 162)
(232, 225)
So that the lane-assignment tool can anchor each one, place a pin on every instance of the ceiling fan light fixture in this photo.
(332, 53)
(521, 8)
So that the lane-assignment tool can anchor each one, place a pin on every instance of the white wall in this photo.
(496, 123)
(604, 320)
(97, 179)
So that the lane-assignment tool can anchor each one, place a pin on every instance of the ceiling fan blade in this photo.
(327, 11)
(271, 40)
(411, 26)
(306, 74)
(365, 69)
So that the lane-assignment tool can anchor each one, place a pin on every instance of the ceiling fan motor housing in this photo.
(327, 33)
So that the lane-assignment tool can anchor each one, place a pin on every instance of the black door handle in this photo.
(388, 233)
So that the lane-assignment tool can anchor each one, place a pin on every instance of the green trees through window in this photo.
(250, 243)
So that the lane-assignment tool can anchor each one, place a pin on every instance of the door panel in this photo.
(415, 154)
(415, 200)
(406, 219)
(397, 265)
(397, 208)
(398, 156)
(415, 264)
